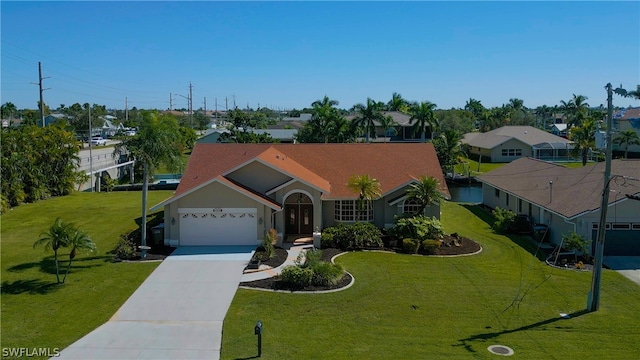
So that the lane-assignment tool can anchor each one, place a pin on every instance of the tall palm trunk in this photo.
(55, 256)
(143, 230)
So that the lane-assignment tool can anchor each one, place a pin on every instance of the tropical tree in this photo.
(324, 117)
(575, 110)
(387, 124)
(448, 148)
(156, 142)
(7, 110)
(543, 113)
(367, 115)
(77, 240)
(627, 137)
(397, 103)
(635, 94)
(424, 117)
(367, 189)
(583, 138)
(54, 239)
(426, 192)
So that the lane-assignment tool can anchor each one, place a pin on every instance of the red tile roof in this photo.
(324, 166)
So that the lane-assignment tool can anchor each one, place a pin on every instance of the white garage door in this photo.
(221, 226)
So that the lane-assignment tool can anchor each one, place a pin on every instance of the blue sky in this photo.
(288, 54)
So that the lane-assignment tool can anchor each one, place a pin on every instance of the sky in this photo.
(286, 55)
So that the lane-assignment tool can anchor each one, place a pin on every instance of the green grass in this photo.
(37, 312)
(472, 165)
(414, 307)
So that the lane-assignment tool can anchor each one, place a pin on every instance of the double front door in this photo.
(299, 219)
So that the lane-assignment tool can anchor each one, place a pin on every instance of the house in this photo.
(232, 194)
(568, 200)
(624, 120)
(109, 129)
(559, 130)
(509, 143)
(53, 118)
(212, 136)
(402, 131)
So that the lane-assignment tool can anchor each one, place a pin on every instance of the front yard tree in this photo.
(448, 148)
(426, 192)
(78, 240)
(424, 117)
(627, 137)
(156, 142)
(367, 189)
(57, 237)
(583, 137)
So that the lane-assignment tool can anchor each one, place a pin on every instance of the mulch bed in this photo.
(452, 245)
(157, 252)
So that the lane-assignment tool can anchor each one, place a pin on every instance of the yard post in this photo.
(258, 331)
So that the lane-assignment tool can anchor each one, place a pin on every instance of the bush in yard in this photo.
(410, 246)
(505, 221)
(296, 276)
(420, 227)
(352, 237)
(573, 241)
(125, 249)
(267, 243)
(430, 246)
(326, 273)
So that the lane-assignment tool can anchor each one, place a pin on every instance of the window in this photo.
(497, 193)
(347, 210)
(520, 206)
(511, 152)
(507, 199)
(410, 207)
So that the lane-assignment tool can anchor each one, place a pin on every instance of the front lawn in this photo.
(37, 312)
(416, 307)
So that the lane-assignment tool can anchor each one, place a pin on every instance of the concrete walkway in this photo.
(177, 312)
(293, 252)
(628, 266)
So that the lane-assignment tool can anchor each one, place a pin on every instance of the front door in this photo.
(299, 219)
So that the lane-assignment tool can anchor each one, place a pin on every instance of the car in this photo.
(130, 133)
(98, 140)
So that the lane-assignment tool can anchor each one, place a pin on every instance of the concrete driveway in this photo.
(628, 266)
(177, 312)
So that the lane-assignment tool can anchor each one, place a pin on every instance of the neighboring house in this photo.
(232, 194)
(559, 130)
(509, 143)
(402, 131)
(212, 136)
(109, 129)
(53, 118)
(624, 120)
(569, 199)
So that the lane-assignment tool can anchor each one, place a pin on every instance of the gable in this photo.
(258, 176)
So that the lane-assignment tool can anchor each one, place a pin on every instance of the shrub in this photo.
(326, 273)
(430, 246)
(352, 237)
(312, 257)
(420, 227)
(410, 246)
(505, 221)
(267, 243)
(297, 277)
(573, 241)
(125, 249)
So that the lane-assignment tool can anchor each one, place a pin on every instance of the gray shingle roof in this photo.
(526, 134)
(574, 191)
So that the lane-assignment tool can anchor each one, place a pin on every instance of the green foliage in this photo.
(37, 163)
(296, 276)
(267, 243)
(107, 183)
(326, 273)
(574, 241)
(429, 247)
(125, 248)
(505, 222)
(420, 227)
(352, 237)
(426, 192)
(410, 246)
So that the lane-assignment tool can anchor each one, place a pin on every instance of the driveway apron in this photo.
(628, 266)
(177, 312)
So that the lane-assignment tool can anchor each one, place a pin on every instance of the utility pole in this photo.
(593, 298)
(226, 104)
(170, 102)
(190, 105)
(41, 104)
(90, 152)
(215, 115)
(126, 110)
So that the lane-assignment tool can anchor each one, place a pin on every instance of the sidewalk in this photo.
(293, 252)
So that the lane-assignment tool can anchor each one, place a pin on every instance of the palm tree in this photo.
(8, 109)
(57, 237)
(423, 115)
(425, 192)
(627, 137)
(324, 117)
(387, 123)
(78, 240)
(583, 138)
(397, 103)
(367, 115)
(575, 110)
(156, 142)
(448, 148)
(367, 189)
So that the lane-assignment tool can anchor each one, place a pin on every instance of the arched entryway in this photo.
(298, 215)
